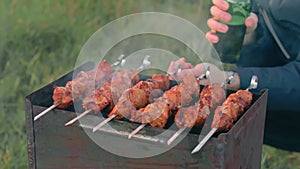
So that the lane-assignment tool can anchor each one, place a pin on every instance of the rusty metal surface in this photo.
(241, 146)
(30, 134)
(52, 145)
(69, 147)
(42, 97)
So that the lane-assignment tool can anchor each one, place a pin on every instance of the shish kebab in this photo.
(187, 117)
(211, 96)
(225, 115)
(139, 95)
(110, 91)
(157, 113)
(63, 96)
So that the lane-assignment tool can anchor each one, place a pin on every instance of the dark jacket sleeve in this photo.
(283, 83)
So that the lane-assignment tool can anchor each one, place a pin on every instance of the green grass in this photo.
(41, 39)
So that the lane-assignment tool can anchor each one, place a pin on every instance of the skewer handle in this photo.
(253, 83)
(78, 117)
(104, 122)
(120, 61)
(136, 130)
(175, 135)
(45, 111)
(146, 63)
(205, 139)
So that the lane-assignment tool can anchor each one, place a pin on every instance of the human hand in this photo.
(216, 75)
(218, 11)
(181, 64)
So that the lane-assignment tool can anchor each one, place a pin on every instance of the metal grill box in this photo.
(52, 145)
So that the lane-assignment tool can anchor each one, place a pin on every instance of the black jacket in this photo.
(279, 74)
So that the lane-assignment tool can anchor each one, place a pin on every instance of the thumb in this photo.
(199, 69)
(252, 21)
(182, 60)
(171, 67)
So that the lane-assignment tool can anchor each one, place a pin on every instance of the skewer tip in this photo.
(129, 136)
(197, 148)
(45, 111)
(104, 122)
(69, 123)
(205, 139)
(78, 117)
(136, 130)
(175, 135)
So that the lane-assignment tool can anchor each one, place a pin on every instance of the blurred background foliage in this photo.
(41, 39)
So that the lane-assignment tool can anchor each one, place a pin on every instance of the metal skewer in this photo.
(175, 135)
(253, 85)
(176, 67)
(121, 61)
(205, 75)
(136, 130)
(45, 111)
(104, 122)
(205, 139)
(78, 117)
(146, 63)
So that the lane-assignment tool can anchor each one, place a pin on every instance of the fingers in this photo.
(171, 67)
(212, 37)
(217, 26)
(182, 65)
(252, 21)
(196, 71)
(182, 74)
(186, 66)
(221, 4)
(220, 14)
(181, 60)
(216, 75)
(199, 69)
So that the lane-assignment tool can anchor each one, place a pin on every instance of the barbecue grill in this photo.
(52, 145)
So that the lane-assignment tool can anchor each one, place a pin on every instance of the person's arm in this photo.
(283, 83)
